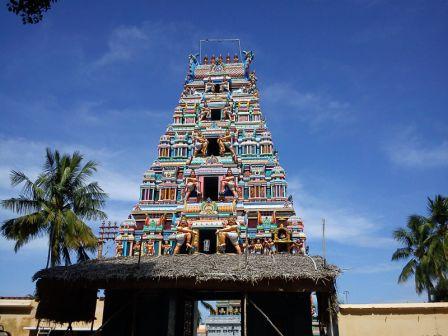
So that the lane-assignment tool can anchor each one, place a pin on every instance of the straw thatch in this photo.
(194, 269)
(63, 304)
(67, 293)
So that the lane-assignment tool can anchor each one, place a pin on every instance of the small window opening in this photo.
(213, 147)
(211, 188)
(216, 88)
(216, 114)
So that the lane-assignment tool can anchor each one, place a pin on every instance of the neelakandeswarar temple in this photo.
(214, 221)
(217, 185)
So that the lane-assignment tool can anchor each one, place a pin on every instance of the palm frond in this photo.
(403, 236)
(21, 205)
(23, 229)
(208, 306)
(407, 271)
(402, 253)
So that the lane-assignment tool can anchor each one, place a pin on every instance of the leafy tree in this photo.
(425, 247)
(31, 11)
(56, 204)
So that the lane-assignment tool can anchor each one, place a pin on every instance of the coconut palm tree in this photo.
(414, 238)
(56, 204)
(438, 241)
(425, 241)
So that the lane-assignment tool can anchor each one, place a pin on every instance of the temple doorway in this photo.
(207, 241)
(211, 188)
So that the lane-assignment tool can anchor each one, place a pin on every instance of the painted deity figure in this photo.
(200, 144)
(229, 182)
(299, 246)
(225, 142)
(166, 247)
(224, 87)
(251, 246)
(136, 248)
(184, 235)
(253, 84)
(187, 91)
(258, 247)
(266, 247)
(192, 64)
(248, 58)
(192, 184)
(272, 248)
(208, 85)
(231, 231)
(217, 65)
(149, 246)
(119, 249)
(227, 112)
(252, 77)
(205, 112)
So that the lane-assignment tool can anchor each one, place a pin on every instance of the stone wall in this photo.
(17, 317)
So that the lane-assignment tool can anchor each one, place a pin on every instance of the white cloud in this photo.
(27, 156)
(409, 150)
(95, 112)
(310, 107)
(127, 43)
(344, 224)
(124, 43)
(40, 244)
(118, 186)
(376, 268)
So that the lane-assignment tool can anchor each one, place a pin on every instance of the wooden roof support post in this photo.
(330, 319)
(134, 312)
(171, 330)
(245, 314)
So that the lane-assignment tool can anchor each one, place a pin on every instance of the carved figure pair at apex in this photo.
(216, 185)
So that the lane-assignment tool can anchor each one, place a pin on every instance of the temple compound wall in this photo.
(394, 319)
(18, 318)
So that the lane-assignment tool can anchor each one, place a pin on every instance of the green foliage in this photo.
(31, 11)
(425, 246)
(56, 204)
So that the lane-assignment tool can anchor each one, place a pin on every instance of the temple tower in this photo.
(217, 169)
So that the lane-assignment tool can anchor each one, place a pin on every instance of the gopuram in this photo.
(214, 221)
(217, 185)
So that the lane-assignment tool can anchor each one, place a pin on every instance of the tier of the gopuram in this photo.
(217, 185)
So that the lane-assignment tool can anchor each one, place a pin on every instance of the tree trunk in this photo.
(50, 245)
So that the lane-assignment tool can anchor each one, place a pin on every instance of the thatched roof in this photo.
(197, 271)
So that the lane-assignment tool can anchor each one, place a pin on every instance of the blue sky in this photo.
(354, 92)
